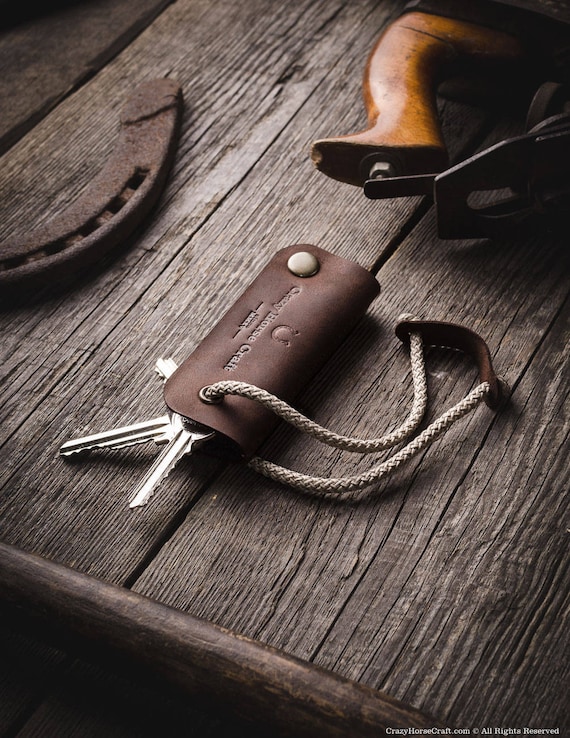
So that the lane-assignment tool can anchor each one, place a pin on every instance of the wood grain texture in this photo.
(172, 266)
(446, 586)
(287, 696)
(306, 557)
(47, 55)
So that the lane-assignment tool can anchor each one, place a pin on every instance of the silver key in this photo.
(183, 442)
(169, 429)
(158, 430)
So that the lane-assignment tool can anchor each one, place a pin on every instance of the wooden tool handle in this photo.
(225, 671)
(400, 82)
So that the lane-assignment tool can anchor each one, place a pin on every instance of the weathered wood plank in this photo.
(87, 700)
(478, 626)
(26, 668)
(34, 373)
(289, 562)
(44, 57)
(90, 701)
(95, 319)
(288, 696)
(276, 565)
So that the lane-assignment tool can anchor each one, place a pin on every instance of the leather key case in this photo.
(276, 336)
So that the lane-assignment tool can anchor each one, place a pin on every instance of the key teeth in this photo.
(135, 502)
(71, 451)
(163, 465)
(156, 429)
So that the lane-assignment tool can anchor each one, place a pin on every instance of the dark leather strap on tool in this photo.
(451, 335)
(115, 202)
(531, 169)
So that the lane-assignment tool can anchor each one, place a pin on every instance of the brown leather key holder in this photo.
(240, 380)
(115, 202)
(243, 375)
(276, 336)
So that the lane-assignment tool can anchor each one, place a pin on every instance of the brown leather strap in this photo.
(451, 335)
(115, 202)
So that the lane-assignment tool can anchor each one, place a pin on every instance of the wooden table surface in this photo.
(445, 586)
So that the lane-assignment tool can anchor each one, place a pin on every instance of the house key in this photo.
(276, 336)
(168, 429)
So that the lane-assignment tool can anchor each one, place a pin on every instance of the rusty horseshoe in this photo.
(115, 202)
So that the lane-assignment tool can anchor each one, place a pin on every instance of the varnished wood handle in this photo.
(232, 673)
(400, 82)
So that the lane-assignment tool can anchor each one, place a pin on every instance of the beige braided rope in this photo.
(345, 485)
(338, 486)
(215, 392)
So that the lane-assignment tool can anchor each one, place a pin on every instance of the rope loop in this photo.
(347, 486)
